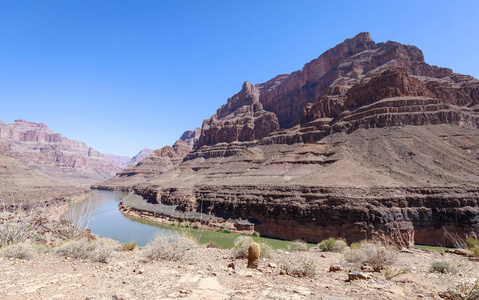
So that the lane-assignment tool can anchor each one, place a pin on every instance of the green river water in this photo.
(108, 221)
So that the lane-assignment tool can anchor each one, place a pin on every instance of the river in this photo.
(104, 219)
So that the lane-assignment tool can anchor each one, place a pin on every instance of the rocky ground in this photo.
(208, 273)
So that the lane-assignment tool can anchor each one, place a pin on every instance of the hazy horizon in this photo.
(121, 76)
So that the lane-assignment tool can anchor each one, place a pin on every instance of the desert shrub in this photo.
(100, 250)
(241, 245)
(18, 224)
(373, 253)
(355, 246)
(390, 273)
(212, 244)
(76, 220)
(266, 250)
(332, 245)
(169, 247)
(298, 246)
(473, 245)
(255, 234)
(442, 267)
(129, 246)
(298, 266)
(464, 291)
(20, 251)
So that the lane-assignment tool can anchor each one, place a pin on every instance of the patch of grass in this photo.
(431, 248)
(129, 246)
(332, 245)
(442, 267)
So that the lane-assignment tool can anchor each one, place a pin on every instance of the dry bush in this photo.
(212, 244)
(473, 245)
(76, 220)
(18, 223)
(298, 266)
(333, 245)
(266, 251)
(298, 246)
(374, 254)
(442, 267)
(169, 247)
(464, 291)
(241, 244)
(100, 250)
(20, 251)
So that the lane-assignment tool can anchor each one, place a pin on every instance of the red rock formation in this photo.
(42, 150)
(241, 119)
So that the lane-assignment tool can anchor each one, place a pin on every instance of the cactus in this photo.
(254, 252)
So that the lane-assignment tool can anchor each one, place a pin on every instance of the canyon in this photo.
(366, 140)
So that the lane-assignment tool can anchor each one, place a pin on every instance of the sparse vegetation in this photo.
(169, 247)
(390, 273)
(99, 250)
(212, 244)
(241, 245)
(373, 253)
(298, 246)
(77, 219)
(266, 250)
(298, 266)
(129, 246)
(464, 291)
(473, 245)
(255, 234)
(17, 223)
(20, 251)
(332, 245)
(442, 267)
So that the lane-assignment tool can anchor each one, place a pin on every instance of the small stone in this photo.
(336, 268)
(405, 250)
(355, 275)
(141, 271)
(323, 256)
(272, 265)
(282, 272)
(367, 268)
(232, 266)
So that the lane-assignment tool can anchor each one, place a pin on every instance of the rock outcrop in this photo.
(368, 139)
(54, 155)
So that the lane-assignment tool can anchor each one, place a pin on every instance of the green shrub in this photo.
(129, 246)
(473, 245)
(255, 234)
(332, 245)
(442, 267)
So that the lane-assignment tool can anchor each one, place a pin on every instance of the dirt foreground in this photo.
(206, 275)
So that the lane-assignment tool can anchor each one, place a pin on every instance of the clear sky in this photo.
(125, 75)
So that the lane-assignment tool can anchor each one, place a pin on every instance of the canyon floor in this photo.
(206, 275)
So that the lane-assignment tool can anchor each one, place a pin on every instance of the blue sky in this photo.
(124, 75)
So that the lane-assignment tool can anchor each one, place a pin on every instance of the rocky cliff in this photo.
(54, 155)
(367, 139)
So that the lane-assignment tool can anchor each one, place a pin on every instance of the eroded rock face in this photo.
(242, 119)
(51, 153)
(365, 140)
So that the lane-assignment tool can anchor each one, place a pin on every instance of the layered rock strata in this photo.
(50, 153)
(365, 140)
